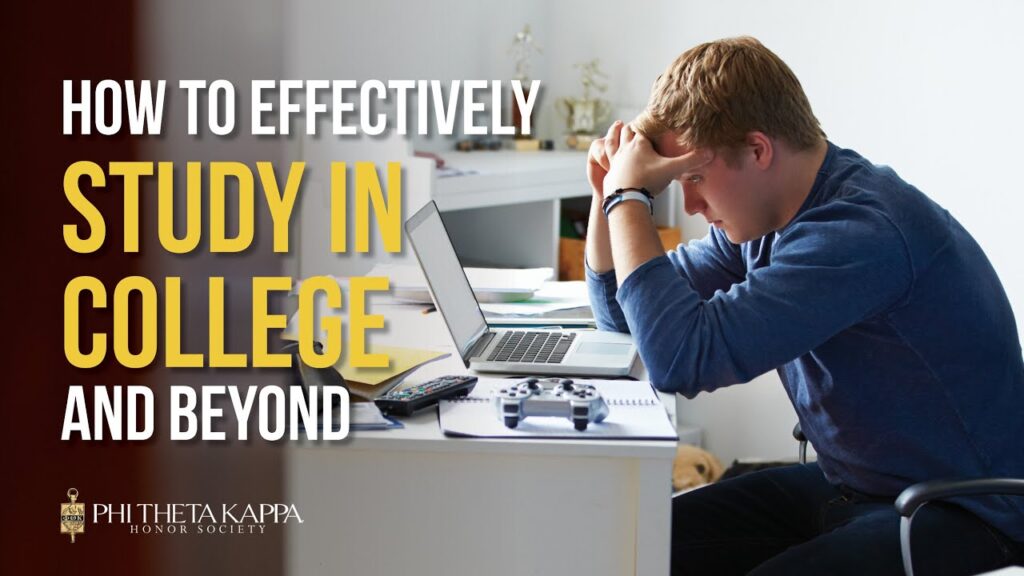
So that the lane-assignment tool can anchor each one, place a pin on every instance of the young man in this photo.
(888, 326)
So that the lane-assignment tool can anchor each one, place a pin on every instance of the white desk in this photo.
(412, 501)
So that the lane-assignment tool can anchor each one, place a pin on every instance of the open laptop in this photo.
(541, 352)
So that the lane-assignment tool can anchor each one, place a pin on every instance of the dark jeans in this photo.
(790, 520)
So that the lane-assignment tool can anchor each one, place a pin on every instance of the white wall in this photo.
(393, 40)
(932, 88)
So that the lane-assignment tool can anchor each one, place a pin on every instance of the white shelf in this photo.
(506, 214)
(511, 177)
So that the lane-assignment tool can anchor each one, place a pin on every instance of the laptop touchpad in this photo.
(602, 348)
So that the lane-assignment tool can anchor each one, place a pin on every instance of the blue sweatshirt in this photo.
(886, 322)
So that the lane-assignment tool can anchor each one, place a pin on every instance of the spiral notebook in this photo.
(634, 413)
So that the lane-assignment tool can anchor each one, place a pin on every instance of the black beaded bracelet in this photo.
(615, 198)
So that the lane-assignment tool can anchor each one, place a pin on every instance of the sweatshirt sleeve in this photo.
(710, 264)
(835, 267)
(601, 289)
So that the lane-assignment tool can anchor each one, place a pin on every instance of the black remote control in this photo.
(405, 402)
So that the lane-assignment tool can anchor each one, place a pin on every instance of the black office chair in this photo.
(914, 497)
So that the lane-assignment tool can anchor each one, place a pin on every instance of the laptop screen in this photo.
(446, 278)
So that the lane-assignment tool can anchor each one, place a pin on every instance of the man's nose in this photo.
(692, 201)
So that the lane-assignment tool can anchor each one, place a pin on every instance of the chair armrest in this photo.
(798, 433)
(913, 497)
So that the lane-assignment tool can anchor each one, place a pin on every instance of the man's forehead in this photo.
(668, 145)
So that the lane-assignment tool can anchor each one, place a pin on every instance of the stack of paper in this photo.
(366, 416)
(370, 383)
(551, 297)
(361, 416)
(489, 284)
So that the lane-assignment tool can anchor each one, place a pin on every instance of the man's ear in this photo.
(761, 149)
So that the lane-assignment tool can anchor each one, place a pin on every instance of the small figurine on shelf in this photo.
(584, 114)
(523, 48)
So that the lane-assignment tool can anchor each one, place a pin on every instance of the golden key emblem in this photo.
(72, 515)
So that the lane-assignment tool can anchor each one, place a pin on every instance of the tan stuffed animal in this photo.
(694, 467)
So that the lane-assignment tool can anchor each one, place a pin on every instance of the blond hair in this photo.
(716, 93)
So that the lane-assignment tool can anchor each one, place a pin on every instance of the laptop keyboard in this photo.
(532, 347)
